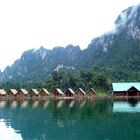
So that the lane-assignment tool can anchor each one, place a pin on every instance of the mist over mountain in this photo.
(118, 50)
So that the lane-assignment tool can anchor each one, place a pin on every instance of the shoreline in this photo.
(70, 98)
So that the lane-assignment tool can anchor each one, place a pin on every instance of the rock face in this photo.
(38, 64)
(117, 49)
(119, 46)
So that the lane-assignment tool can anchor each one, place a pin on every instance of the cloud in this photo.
(125, 16)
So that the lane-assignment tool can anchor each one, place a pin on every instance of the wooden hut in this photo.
(44, 92)
(91, 93)
(57, 92)
(126, 89)
(69, 92)
(12, 93)
(133, 91)
(33, 93)
(22, 93)
(80, 92)
(2, 92)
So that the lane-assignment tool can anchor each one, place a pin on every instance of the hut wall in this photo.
(56, 94)
(43, 94)
(120, 93)
(10, 94)
(68, 94)
(133, 93)
(20, 94)
(138, 93)
(32, 94)
(91, 94)
(79, 94)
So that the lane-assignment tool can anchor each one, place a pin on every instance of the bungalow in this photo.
(12, 93)
(57, 92)
(33, 93)
(91, 92)
(126, 89)
(22, 93)
(69, 92)
(2, 92)
(44, 92)
(80, 92)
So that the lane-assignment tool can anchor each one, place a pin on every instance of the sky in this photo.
(27, 24)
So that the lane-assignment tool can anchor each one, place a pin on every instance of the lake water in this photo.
(102, 119)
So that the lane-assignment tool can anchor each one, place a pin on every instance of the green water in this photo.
(70, 120)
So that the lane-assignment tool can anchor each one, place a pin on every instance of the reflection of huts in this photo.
(57, 92)
(44, 92)
(2, 104)
(13, 104)
(69, 92)
(60, 103)
(12, 93)
(46, 104)
(82, 104)
(35, 104)
(72, 103)
(91, 92)
(126, 89)
(24, 103)
(33, 93)
(80, 92)
(22, 93)
(2, 92)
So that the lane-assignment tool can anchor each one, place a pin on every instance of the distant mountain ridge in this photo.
(118, 50)
(38, 64)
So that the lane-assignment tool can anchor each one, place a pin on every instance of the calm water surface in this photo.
(70, 120)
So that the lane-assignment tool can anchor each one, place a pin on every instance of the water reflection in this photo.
(82, 104)
(60, 103)
(23, 104)
(133, 101)
(35, 104)
(46, 104)
(130, 105)
(69, 119)
(13, 104)
(8, 133)
(72, 106)
(72, 103)
(2, 104)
